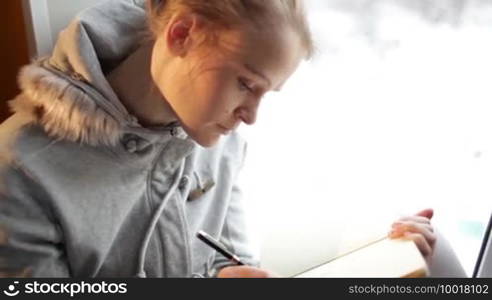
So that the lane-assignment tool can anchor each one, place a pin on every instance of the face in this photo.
(212, 90)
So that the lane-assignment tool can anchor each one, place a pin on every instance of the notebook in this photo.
(384, 257)
(393, 258)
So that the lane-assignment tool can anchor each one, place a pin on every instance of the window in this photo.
(393, 115)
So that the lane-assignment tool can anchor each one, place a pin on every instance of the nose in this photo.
(248, 113)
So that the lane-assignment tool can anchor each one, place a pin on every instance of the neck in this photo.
(133, 83)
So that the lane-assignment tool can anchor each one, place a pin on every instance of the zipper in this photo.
(105, 104)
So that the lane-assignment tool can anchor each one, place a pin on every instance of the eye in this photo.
(244, 85)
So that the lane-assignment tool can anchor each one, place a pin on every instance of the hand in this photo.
(244, 272)
(419, 229)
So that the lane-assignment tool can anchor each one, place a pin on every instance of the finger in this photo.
(425, 229)
(420, 242)
(412, 226)
(418, 219)
(428, 213)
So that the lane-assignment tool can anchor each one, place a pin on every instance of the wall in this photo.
(60, 14)
(14, 52)
(50, 20)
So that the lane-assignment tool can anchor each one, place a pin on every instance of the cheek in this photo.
(217, 99)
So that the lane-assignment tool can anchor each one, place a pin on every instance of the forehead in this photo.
(275, 53)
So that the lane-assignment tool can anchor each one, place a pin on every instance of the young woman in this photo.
(122, 147)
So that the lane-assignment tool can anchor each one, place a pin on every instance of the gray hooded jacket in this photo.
(86, 191)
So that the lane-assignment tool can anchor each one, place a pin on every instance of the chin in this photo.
(207, 142)
(203, 138)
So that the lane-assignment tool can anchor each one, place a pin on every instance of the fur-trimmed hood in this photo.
(64, 110)
(68, 93)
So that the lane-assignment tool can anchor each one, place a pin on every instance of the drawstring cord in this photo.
(141, 258)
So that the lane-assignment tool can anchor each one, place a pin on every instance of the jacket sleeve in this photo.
(30, 241)
(234, 233)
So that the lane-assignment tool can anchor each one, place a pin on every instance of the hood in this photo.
(67, 93)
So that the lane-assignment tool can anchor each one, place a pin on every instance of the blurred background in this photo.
(393, 115)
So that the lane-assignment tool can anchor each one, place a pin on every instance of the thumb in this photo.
(428, 213)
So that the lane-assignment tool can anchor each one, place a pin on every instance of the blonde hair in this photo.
(235, 13)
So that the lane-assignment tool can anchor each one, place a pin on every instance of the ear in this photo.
(181, 33)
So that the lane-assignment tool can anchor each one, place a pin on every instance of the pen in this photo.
(207, 239)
